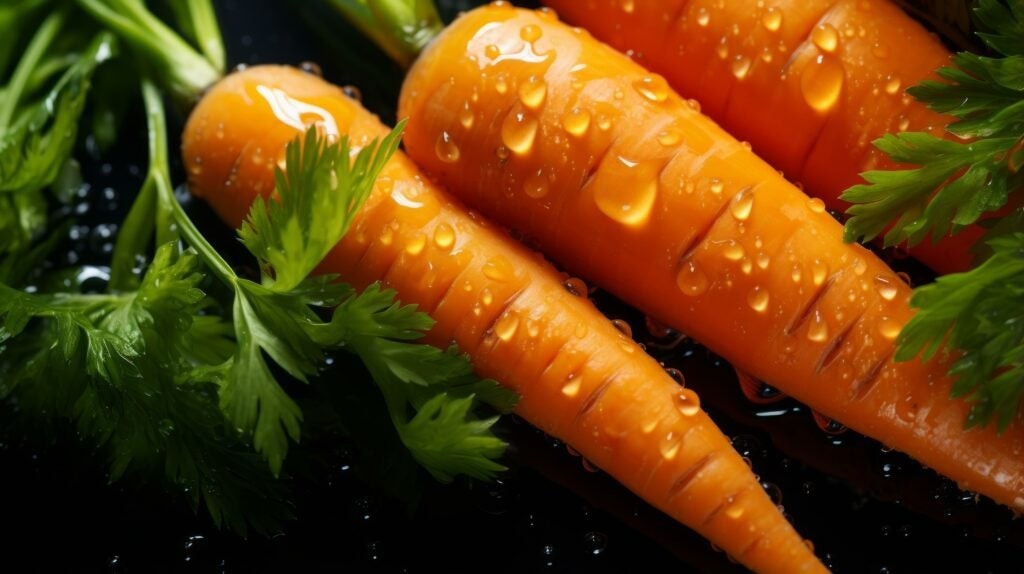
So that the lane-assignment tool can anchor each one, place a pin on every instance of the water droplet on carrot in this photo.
(892, 85)
(676, 375)
(763, 260)
(387, 236)
(506, 326)
(670, 137)
(818, 329)
(722, 49)
(501, 84)
(498, 268)
(687, 402)
(536, 185)
(466, 116)
(446, 149)
(734, 510)
(889, 328)
(518, 132)
(444, 236)
(693, 105)
(904, 124)
(740, 67)
(669, 446)
(691, 280)
(625, 190)
(742, 203)
(492, 51)
(604, 122)
(859, 266)
(572, 385)
(746, 266)
(576, 121)
(416, 244)
(530, 33)
(649, 426)
(819, 271)
(575, 286)
(732, 250)
(758, 299)
(766, 55)
(486, 297)
(796, 274)
(627, 6)
(703, 17)
(816, 205)
(886, 287)
(822, 82)
(654, 88)
(532, 92)
(825, 37)
(772, 19)
(622, 327)
(532, 328)
(716, 185)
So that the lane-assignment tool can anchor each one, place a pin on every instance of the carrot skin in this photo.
(809, 83)
(580, 379)
(656, 203)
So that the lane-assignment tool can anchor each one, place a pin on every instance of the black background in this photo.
(866, 509)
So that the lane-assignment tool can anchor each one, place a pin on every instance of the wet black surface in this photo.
(866, 509)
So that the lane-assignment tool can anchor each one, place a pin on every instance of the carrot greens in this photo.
(957, 182)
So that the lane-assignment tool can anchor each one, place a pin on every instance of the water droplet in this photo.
(501, 84)
(796, 274)
(387, 235)
(506, 326)
(518, 132)
(572, 385)
(859, 266)
(732, 250)
(530, 33)
(595, 543)
(498, 268)
(740, 67)
(670, 137)
(703, 17)
(892, 85)
(763, 260)
(716, 186)
(822, 82)
(722, 49)
(889, 328)
(693, 105)
(772, 19)
(536, 185)
(903, 124)
(416, 244)
(532, 328)
(734, 510)
(625, 190)
(818, 329)
(622, 327)
(691, 279)
(825, 37)
(576, 121)
(446, 149)
(676, 375)
(742, 203)
(886, 287)
(627, 6)
(492, 51)
(687, 402)
(486, 297)
(819, 271)
(532, 92)
(816, 205)
(653, 88)
(669, 446)
(352, 92)
(466, 116)
(575, 286)
(758, 299)
(444, 236)
(502, 152)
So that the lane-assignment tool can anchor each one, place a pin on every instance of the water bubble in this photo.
(498, 268)
(530, 33)
(625, 190)
(816, 205)
(572, 385)
(822, 82)
(518, 132)
(536, 185)
(506, 326)
(691, 280)
(446, 149)
(740, 67)
(889, 328)
(595, 543)
(758, 299)
(492, 51)
(670, 137)
(575, 286)
(818, 329)
(772, 19)
(742, 203)
(416, 244)
(825, 37)
(444, 236)
(886, 287)
(892, 85)
(576, 121)
(652, 88)
(687, 402)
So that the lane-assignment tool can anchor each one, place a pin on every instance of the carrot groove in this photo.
(612, 174)
(810, 83)
(580, 379)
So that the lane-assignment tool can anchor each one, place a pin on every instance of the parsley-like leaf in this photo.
(318, 194)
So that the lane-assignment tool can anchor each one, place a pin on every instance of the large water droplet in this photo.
(572, 385)
(444, 236)
(825, 37)
(822, 82)
(742, 203)
(532, 92)
(446, 149)
(625, 190)
(772, 19)
(498, 268)
(892, 85)
(817, 331)
(703, 17)
(889, 328)
(819, 272)
(691, 279)
(653, 88)
(492, 51)
(536, 185)
(687, 402)
(530, 33)
(758, 299)
(740, 67)
(506, 326)
(576, 121)
(670, 137)
(416, 244)
(732, 250)
(886, 287)
(518, 132)
(669, 446)
(466, 116)
(816, 205)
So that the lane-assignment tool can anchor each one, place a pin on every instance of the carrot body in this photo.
(810, 83)
(579, 378)
(611, 173)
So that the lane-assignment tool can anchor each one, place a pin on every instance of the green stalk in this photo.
(181, 70)
(198, 21)
(402, 28)
(27, 66)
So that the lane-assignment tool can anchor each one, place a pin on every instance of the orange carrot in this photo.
(608, 171)
(580, 379)
(810, 83)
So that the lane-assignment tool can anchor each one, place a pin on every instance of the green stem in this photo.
(180, 69)
(402, 28)
(168, 208)
(27, 65)
(199, 18)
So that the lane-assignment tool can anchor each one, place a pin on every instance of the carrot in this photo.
(608, 171)
(580, 379)
(810, 83)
